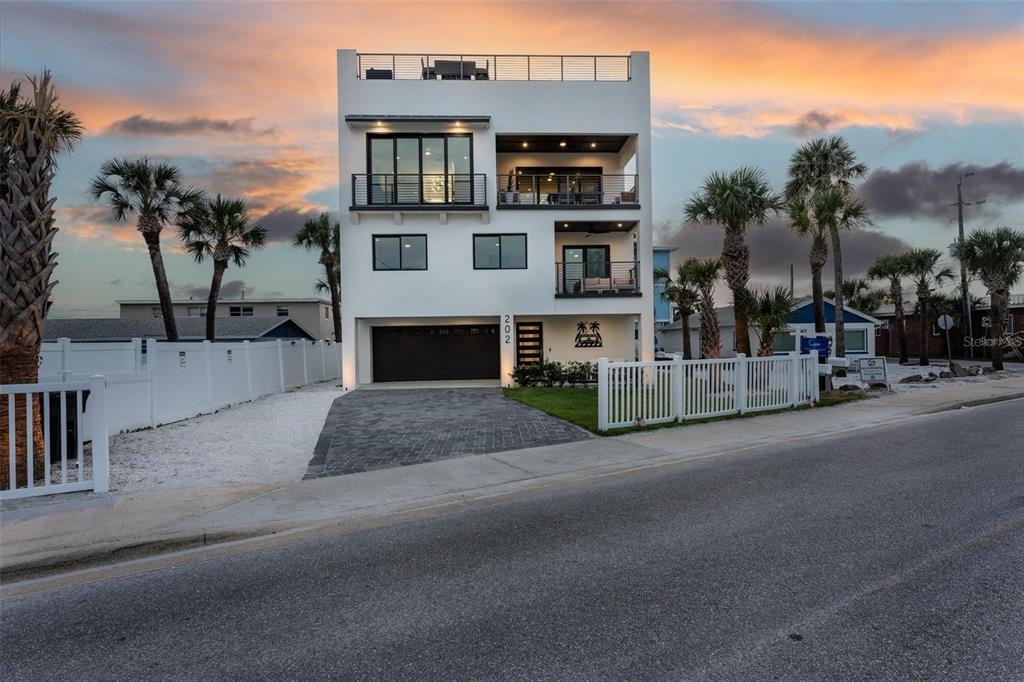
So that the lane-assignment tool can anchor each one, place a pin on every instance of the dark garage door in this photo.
(435, 353)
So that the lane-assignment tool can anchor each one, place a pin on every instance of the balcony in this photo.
(419, 192)
(449, 67)
(575, 191)
(597, 278)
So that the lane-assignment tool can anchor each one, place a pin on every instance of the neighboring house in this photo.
(189, 329)
(312, 314)
(662, 308)
(859, 330)
(496, 211)
(981, 316)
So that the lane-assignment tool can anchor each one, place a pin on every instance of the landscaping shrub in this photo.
(528, 375)
(554, 374)
(579, 373)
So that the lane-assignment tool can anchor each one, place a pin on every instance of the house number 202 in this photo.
(508, 329)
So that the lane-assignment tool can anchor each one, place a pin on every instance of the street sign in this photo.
(945, 322)
(873, 370)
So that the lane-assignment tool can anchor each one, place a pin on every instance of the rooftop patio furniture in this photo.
(379, 74)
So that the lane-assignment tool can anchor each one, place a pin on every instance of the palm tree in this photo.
(803, 226)
(735, 201)
(926, 274)
(218, 229)
(154, 193)
(323, 233)
(769, 311)
(996, 257)
(681, 292)
(894, 268)
(822, 172)
(837, 211)
(704, 275)
(860, 295)
(34, 130)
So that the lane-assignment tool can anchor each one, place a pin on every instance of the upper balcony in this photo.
(570, 171)
(447, 67)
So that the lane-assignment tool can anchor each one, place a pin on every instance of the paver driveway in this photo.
(379, 429)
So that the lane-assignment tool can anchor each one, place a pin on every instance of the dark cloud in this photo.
(194, 125)
(234, 288)
(917, 190)
(773, 248)
(283, 222)
(816, 122)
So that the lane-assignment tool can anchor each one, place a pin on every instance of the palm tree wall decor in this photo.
(34, 130)
(704, 274)
(996, 257)
(735, 201)
(218, 229)
(927, 275)
(893, 269)
(323, 233)
(683, 294)
(154, 193)
(822, 173)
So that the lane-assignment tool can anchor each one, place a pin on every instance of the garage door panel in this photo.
(436, 353)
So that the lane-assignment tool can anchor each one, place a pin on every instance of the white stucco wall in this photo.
(450, 287)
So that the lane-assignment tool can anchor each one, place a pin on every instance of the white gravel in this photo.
(897, 372)
(266, 441)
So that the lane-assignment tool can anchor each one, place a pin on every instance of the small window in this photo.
(856, 340)
(197, 311)
(240, 311)
(156, 312)
(282, 311)
(499, 251)
(400, 252)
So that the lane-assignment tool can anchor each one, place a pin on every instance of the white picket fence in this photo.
(677, 390)
(65, 466)
(157, 382)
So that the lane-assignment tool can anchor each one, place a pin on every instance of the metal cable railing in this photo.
(560, 189)
(597, 278)
(419, 189)
(493, 67)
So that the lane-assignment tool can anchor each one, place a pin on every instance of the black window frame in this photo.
(370, 137)
(399, 237)
(499, 235)
(241, 311)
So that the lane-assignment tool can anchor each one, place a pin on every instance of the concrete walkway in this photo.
(98, 529)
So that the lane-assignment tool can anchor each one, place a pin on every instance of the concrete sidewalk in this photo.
(93, 529)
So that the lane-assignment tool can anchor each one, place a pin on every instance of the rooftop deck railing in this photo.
(493, 67)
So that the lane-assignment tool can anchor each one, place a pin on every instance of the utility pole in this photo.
(965, 297)
(791, 287)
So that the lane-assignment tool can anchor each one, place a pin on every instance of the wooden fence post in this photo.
(795, 378)
(677, 387)
(99, 433)
(602, 394)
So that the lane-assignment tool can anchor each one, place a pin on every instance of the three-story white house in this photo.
(496, 210)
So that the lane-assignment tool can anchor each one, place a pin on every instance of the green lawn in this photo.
(579, 406)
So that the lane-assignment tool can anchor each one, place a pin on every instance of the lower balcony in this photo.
(419, 192)
(593, 278)
(568, 190)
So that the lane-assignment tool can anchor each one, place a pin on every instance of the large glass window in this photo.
(420, 169)
(400, 252)
(499, 251)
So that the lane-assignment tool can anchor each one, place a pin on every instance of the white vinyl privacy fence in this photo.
(54, 458)
(155, 382)
(632, 393)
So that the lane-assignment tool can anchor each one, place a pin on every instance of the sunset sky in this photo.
(241, 95)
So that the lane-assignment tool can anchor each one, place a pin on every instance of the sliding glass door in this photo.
(420, 169)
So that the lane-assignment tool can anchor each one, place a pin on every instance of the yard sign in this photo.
(873, 370)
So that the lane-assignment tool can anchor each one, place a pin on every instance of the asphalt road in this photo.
(896, 554)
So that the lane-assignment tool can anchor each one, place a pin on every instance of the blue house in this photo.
(662, 308)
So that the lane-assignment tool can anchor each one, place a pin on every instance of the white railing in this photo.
(634, 393)
(72, 415)
(160, 382)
